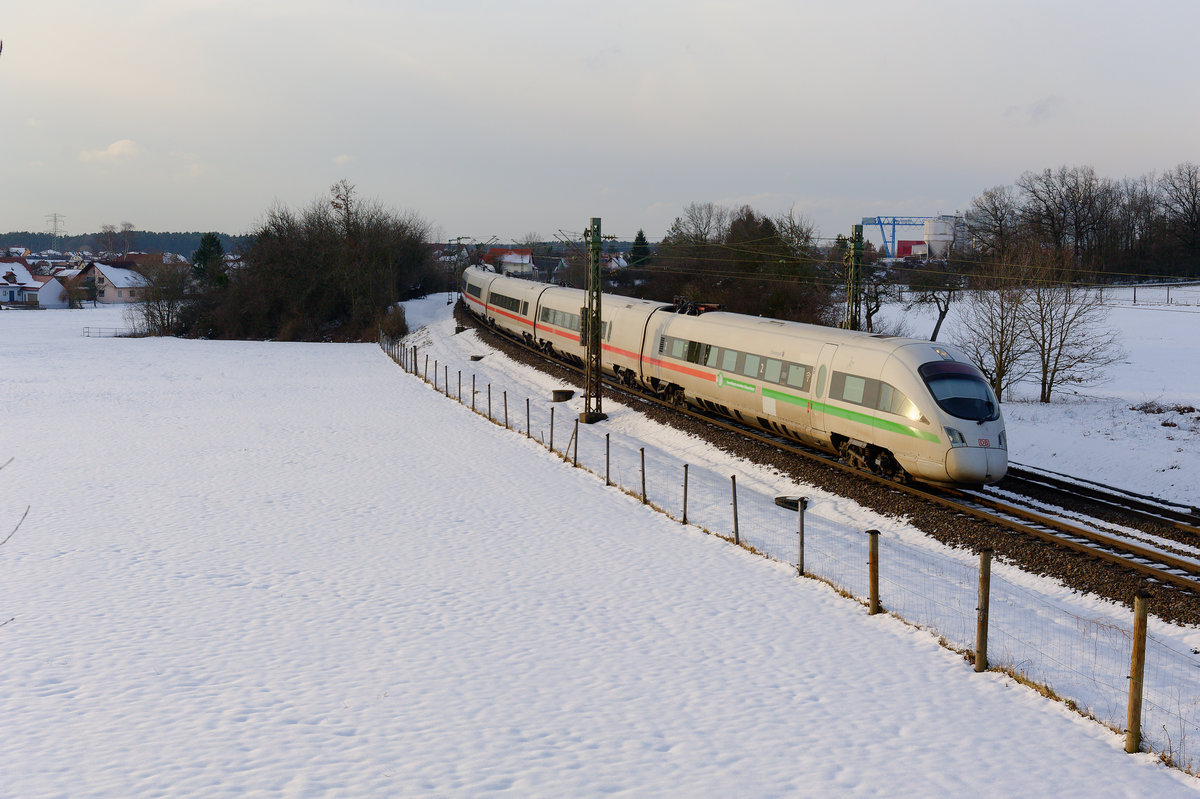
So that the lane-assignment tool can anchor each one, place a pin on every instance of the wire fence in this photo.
(1084, 662)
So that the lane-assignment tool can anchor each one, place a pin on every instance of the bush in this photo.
(394, 323)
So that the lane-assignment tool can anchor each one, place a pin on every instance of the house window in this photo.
(120, 293)
(101, 292)
(99, 281)
(132, 293)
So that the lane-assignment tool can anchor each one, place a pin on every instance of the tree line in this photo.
(122, 239)
(332, 271)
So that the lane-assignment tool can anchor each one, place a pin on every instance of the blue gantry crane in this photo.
(893, 222)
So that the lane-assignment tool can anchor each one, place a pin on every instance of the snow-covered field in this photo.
(266, 569)
(1092, 431)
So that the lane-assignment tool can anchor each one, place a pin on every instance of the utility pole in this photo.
(55, 228)
(589, 333)
(852, 320)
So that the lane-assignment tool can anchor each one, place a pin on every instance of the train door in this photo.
(821, 390)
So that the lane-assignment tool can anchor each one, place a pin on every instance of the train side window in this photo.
(678, 348)
(797, 376)
(729, 360)
(525, 308)
(852, 388)
(750, 365)
(695, 352)
(713, 358)
(772, 369)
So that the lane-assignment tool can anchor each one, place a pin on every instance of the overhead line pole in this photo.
(852, 320)
(590, 331)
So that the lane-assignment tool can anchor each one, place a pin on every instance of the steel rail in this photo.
(1142, 507)
(1057, 532)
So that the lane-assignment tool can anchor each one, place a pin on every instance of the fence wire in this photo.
(1085, 662)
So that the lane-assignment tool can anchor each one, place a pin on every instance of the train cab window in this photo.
(960, 390)
(893, 401)
(772, 370)
(750, 365)
(474, 290)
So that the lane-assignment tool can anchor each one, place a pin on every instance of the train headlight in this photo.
(956, 438)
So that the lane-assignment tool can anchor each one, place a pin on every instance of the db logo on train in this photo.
(983, 442)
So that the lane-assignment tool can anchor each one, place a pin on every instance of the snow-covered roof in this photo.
(21, 275)
(119, 277)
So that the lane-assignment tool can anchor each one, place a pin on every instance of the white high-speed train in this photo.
(899, 407)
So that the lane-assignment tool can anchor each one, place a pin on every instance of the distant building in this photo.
(113, 284)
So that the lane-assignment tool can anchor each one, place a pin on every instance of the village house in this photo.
(113, 284)
(16, 281)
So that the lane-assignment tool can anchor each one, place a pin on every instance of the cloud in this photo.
(1039, 111)
(118, 152)
(343, 159)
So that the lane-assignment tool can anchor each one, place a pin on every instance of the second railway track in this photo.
(1108, 564)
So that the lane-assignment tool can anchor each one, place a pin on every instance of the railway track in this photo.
(1021, 504)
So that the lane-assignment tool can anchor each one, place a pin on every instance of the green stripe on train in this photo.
(853, 416)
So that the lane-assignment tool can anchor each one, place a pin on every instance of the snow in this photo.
(1093, 431)
(258, 568)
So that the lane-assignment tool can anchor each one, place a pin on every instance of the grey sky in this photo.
(504, 118)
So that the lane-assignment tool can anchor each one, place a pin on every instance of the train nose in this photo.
(976, 464)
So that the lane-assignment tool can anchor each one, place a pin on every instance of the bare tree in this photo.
(1066, 326)
(127, 237)
(108, 238)
(700, 223)
(934, 283)
(158, 311)
(799, 235)
(991, 328)
(1180, 194)
(993, 221)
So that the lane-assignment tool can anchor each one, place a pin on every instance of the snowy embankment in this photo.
(290, 569)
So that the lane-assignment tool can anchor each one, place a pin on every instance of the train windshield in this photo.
(960, 390)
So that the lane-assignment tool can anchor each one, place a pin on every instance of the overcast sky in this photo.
(506, 118)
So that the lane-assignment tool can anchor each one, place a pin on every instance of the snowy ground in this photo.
(292, 570)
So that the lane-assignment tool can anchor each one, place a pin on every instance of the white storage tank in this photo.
(939, 235)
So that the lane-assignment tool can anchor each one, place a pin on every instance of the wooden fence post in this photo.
(575, 436)
(643, 451)
(737, 536)
(873, 569)
(1137, 668)
(528, 431)
(800, 507)
(981, 620)
(551, 428)
(472, 392)
(460, 386)
(505, 409)
(685, 481)
(489, 402)
(607, 462)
